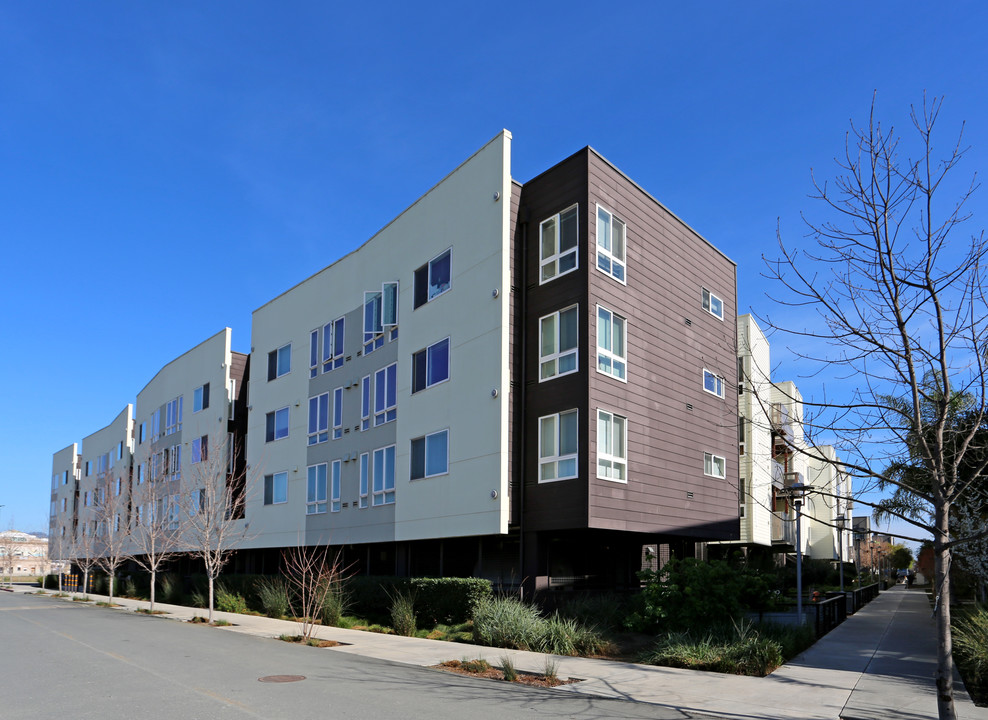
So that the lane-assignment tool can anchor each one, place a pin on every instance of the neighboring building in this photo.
(23, 555)
(774, 456)
(509, 380)
(63, 518)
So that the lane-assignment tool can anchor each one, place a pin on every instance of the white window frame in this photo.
(608, 254)
(336, 332)
(610, 354)
(431, 295)
(425, 459)
(555, 459)
(556, 355)
(373, 336)
(717, 381)
(279, 370)
(318, 431)
(710, 462)
(385, 412)
(365, 402)
(389, 304)
(607, 455)
(337, 413)
(708, 300)
(275, 480)
(275, 437)
(173, 416)
(315, 502)
(364, 478)
(335, 482)
(383, 493)
(554, 258)
(199, 396)
(314, 353)
(428, 363)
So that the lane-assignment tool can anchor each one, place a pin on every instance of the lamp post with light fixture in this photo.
(798, 490)
(840, 521)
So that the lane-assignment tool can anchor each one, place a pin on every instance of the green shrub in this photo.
(170, 589)
(448, 600)
(273, 597)
(334, 604)
(508, 669)
(228, 601)
(198, 599)
(509, 623)
(741, 652)
(970, 635)
(403, 613)
(605, 611)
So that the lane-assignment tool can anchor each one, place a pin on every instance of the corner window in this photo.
(276, 425)
(558, 446)
(558, 241)
(200, 398)
(318, 419)
(558, 340)
(611, 344)
(386, 394)
(713, 384)
(276, 488)
(280, 362)
(334, 496)
(612, 446)
(430, 366)
(315, 498)
(712, 304)
(384, 476)
(432, 279)
(714, 466)
(610, 244)
(430, 455)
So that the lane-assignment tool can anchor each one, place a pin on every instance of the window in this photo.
(334, 497)
(741, 435)
(430, 366)
(119, 487)
(315, 501)
(433, 278)
(740, 376)
(319, 419)
(365, 402)
(333, 335)
(384, 475)
(200, 447)
(558, 446)
(741, 497)
(558, 340)
(612, 446)
(430, 455)
(713, 384)
(386, 394)
(364, 472)
(373, 329)
(63, 504)
(173, 416)
(558, 240)
(173, 513)
(200, 398)
(280, 362)
(175, 463)
(120, 450)
(140, 473)
(389, 305)
(276, 425)
(713, 304)
(610, 244)
(313, 353)
(611, 344)
(155, 424)
(140, 433)
(276, 488)
(714, 466)
(65, 478)
(338, 413)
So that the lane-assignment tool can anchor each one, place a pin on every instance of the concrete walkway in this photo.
(877, 664)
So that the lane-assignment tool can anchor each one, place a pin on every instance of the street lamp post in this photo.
(797, 490)
(840, 522)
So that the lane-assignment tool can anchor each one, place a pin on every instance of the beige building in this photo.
(23, 555)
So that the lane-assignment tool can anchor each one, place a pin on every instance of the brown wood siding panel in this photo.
(667, 265)
(562, 504)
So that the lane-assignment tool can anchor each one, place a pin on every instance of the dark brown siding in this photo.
(562, 504)
(670, 340)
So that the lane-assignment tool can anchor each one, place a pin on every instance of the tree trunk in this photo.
(152, 591)
(111, 589)
(210, 599)
(945, 660)
(85, 582)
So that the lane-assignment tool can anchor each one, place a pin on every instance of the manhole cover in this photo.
(281, 678)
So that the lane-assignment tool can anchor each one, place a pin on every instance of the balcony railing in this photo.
(783, 528)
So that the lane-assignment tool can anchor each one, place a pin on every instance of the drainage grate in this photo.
(281, 678)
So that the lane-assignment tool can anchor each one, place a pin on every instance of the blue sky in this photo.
(165, 169)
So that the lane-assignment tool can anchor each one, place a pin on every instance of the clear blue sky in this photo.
(165, 169)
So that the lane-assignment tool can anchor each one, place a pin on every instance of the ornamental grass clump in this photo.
(509, 623)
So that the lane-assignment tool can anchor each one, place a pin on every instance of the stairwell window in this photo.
(276, 425)
(430, 455)
(433, 278)
(558, 446)
(612, 446)
(610, 244)
(558, 341)
(558, 243)
(200, 398)
(430, 366)
(276, 488)
(280, 362)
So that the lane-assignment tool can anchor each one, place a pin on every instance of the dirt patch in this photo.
(480, 668)
(312, 642)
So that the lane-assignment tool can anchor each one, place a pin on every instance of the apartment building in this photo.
(774, 456)
(62, 524)
(104, 483)
(509, 380)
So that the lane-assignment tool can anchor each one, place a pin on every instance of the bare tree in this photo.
(84, 550)
(212, 511)
(901, 313)
(112, 527)
(154, 538)
(8, 549)
(312, 577)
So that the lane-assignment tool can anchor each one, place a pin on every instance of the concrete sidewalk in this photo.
(877, 664)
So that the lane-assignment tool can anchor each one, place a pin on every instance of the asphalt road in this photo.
(68, 660)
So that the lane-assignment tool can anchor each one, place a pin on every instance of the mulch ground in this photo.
(494, 673)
